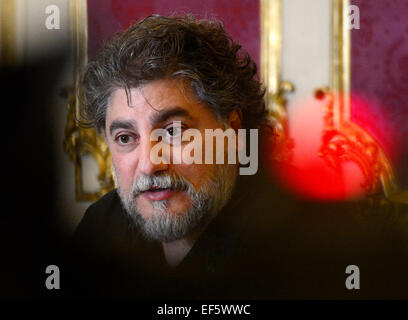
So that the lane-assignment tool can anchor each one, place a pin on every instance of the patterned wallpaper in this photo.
(241, 18)
(380, 74)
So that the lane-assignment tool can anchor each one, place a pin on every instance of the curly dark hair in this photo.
(181, 47)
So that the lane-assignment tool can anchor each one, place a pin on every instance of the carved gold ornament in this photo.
(276, 89)
(8, 40)
(342, 139)
(80, 141)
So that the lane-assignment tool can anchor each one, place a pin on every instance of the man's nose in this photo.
(151, 158)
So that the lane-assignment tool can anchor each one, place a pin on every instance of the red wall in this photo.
(241, 18)
(380, 74)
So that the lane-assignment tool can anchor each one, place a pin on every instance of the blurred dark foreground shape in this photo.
(30, 235)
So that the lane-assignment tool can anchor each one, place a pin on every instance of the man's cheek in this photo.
(180, 203)
(196, 174)
(143, 207)
(123, 172)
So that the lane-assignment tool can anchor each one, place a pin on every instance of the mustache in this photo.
(162, 181)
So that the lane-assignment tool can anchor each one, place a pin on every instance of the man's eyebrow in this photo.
(121, 124)
(162, 116)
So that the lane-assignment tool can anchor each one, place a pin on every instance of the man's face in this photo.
(168, 201)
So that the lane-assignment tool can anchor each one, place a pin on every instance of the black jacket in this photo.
(265, 244)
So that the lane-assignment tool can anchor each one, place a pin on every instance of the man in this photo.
(176, 228)
(174, 75)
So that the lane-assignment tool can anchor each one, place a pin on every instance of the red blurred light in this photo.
(308, 173)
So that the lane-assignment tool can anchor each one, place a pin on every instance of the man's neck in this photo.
(175, 251)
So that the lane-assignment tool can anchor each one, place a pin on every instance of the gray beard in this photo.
(165, 226)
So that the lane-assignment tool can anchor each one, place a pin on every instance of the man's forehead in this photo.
(158, 101)
(154, 96)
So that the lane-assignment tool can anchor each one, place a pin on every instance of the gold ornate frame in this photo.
(342, 139)
(80, 141)
(271, 67)
(8, 49)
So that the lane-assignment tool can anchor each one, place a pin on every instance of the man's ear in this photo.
(235, 119)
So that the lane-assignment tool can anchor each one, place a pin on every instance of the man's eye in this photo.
(174, 131)
(124, 139)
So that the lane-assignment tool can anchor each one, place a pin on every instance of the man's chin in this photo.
(165, 226)
(158, 210)
(175, 206)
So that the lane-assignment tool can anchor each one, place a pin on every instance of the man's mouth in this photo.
(157, 194)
